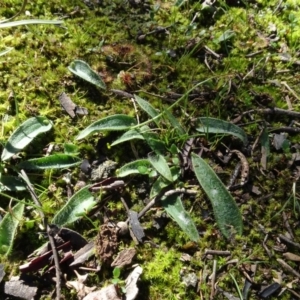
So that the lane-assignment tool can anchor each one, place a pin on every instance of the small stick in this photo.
(289, 241)
(56, 263)
(287, 225)
(213, 280)
(217, 252)
(288, 267)
(34, 196)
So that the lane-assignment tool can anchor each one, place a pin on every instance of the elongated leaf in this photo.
(84, 71)
(153, 141)
(147, 107)
(78, 205)
(161, 182)
(212, 125)
(226, 212)
(111, 123)
(140, 166)
(160, 165)
(24, 134)
(173, 206)
(28, 22)
(55, 161)
(175, 124)
(11, 183)
(8, 227)
(128, 136)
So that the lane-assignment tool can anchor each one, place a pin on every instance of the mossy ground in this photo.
(256, 65)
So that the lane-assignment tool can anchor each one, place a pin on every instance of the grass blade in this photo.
(24, 134)
(8, 228)
(29, 22)
(226, 212)
(111, 123)
(78, 205)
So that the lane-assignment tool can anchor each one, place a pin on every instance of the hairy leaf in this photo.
(226, 212)
(111, 123)
(54, 161)
(128, 136)
(78, 205)
(161, 182)
(160, 165)
(174, 122)
(140, 166)
(212, 125)
(84, 71)
(24, 134)
(173, 206)
(8, 227)
(11, 183)
(146, 106)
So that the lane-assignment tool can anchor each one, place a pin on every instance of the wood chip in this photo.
(67, 104)
(124, 258)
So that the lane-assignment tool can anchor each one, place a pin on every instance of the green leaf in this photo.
(79, 204)
(147, 107)
(54, 161)
(212, 125)
(225, 36)
(129, 135)
(24, 134)
(8, 227)
(140, 166)
(11, 183)
(71, 149)
(153, 141)
(161, 183)
(226, 212)
(116, 273)
(84, 71)
(160, 165)
(173, 206)
(111, 123)
(173, 121)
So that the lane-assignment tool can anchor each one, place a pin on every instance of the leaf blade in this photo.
(78, 204)
(8, 228)
(213, 125)
(146, 107)
(160, 165)
(24, 134)
(110, 123)
(174, 207)
(84, 71)
(139, 166)
(54, 161)
(225, 209)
